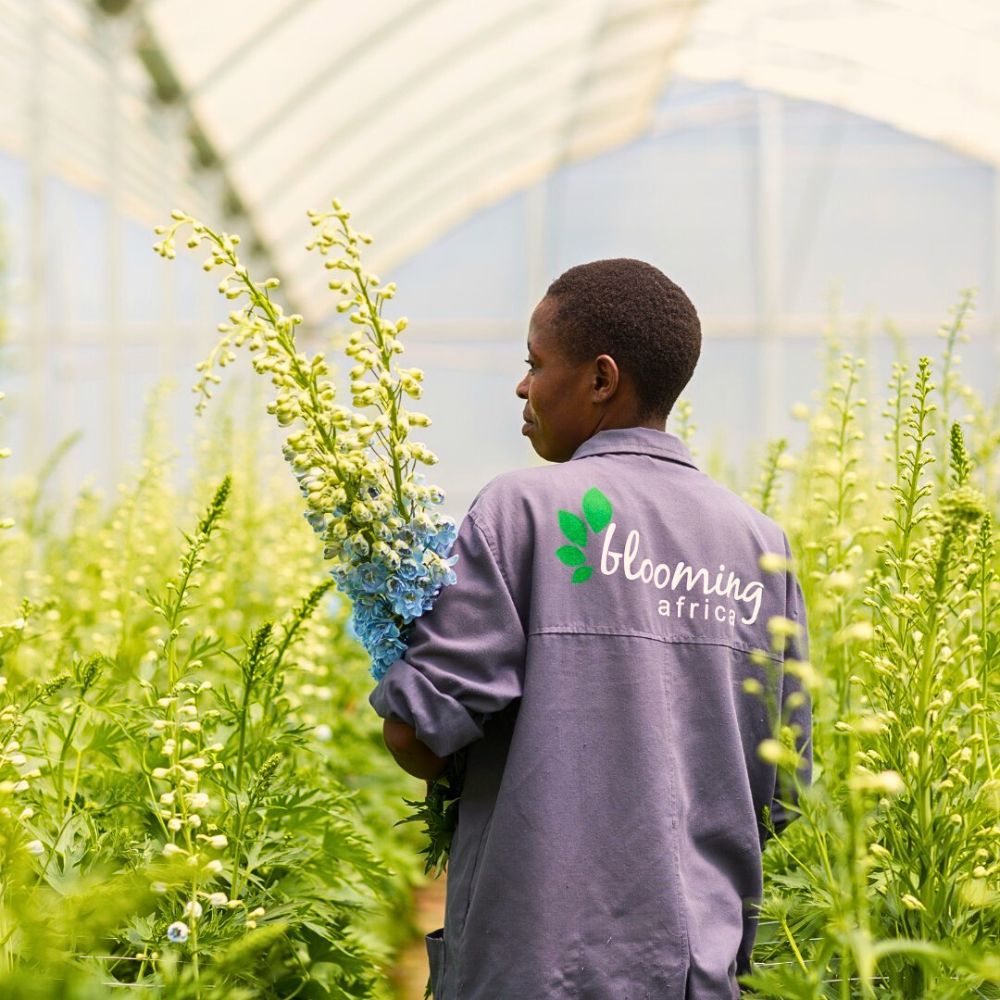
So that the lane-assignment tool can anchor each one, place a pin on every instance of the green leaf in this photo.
(571, 555)
(597, 509)
(582, 574)
(572, 527)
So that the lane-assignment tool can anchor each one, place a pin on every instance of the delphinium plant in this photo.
(888, 884)
(174, 814)
(387, 543)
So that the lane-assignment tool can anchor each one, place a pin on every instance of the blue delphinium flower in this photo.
(410, 569)
(357, 548)
(317, 520)
(383, 639)
(442, 541)
(369, 577)
(407, 597)
(390, 585)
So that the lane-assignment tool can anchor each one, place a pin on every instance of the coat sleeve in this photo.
(465, 657)
(799, 716)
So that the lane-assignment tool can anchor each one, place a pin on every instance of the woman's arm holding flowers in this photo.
(464, 661)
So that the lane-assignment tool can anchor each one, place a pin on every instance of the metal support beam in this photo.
(423, 71)
(36, 347)
(536, 211)
(170, 123)
(994, 305)
(769, 223)
(113, 38)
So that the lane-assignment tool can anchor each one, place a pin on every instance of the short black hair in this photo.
(632, 311)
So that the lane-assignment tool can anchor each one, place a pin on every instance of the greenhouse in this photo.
(498, 500)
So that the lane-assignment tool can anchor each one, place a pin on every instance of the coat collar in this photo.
(636, 441)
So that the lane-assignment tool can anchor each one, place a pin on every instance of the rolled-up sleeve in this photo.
(464, 660)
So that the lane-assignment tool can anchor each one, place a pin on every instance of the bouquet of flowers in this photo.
(375, 513)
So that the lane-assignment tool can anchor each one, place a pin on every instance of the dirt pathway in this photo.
(410, 974)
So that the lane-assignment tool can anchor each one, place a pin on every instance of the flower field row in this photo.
(888, 884)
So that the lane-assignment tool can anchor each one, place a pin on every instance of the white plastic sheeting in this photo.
(930, 67)
(420, 112)
(415, 113)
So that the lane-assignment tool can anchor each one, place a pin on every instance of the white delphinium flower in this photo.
(178, 932)
(183, 804)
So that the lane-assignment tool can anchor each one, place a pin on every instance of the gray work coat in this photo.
(591, 657)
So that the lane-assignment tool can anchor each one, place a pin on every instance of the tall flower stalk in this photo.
(357, 473)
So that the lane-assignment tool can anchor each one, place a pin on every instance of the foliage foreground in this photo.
(192, 782)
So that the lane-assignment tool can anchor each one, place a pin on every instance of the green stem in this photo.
(913, 487)
(60, 783)
(924, 699)
(244, 710)
(234, 890)
(76, 784)
(5, 934)
(791, 942)
(981, 722)
(393, 408)
(242, 814)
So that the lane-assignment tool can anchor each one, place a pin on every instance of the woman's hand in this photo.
(414, 757)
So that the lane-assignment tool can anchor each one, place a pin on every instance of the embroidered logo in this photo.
(597, 513)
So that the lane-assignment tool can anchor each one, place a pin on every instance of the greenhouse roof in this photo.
(417, 113)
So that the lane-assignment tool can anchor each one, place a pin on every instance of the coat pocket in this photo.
(435, 959)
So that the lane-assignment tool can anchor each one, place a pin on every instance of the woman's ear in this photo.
(606, 377)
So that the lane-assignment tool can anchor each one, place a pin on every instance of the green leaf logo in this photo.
(572, 527)
(596, 509)
(571, 555)
(597, 512)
